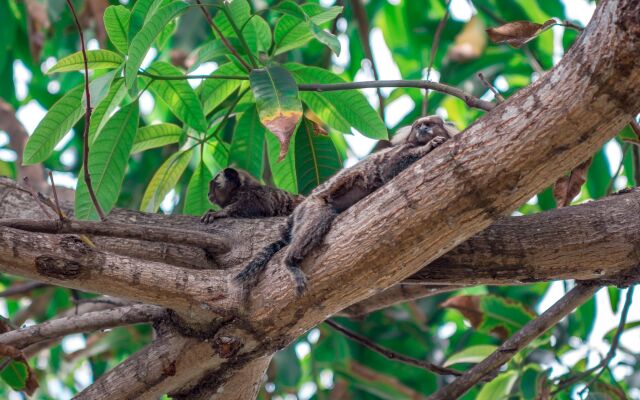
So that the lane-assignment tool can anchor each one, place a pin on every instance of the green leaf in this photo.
(8, 169)
(196, 200)
(140, 13)
(165, 35)
(316, 157)
(258, 35)
(279, 106)
(239, 10)
(326, 38)
(614, 298)
(108, 158)
(291, 8)
(473, 354)
(96, 59)
(15, 374)
(499, 388)
(116, 93)
(283, 172)
(248, 143)
(599, 175)
(504, 313)
(292, 32)
(152, 136)
(340, 110)
(116, 23)
(99, 88)
(147, 34)
(628, 326)
(214, 91)
(60, 118)
(164, 180)
(178, 95)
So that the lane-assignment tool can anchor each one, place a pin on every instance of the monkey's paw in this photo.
(211, 216)
(437, 141)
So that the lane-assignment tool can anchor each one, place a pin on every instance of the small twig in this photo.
(360, 14)
(36, 198)
(225, 41)
(22, 289)
(625, 147)
(149, 233)
(87, 119)
(392, 355)
(499, 97)
(578, 295)
(570, 25)
(55, 197)
(432, 55)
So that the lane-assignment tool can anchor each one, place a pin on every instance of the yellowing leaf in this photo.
(470, 43)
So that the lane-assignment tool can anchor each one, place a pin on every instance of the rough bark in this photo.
(498, 163)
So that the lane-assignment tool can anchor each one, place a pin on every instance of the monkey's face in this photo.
(223, 186)
(427, 128)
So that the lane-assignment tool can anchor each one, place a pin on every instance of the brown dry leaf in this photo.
(469, 307)
(470, 43)
(37, 22)
(318, 126)
(568, 187)
(282, 125)
(517, 33)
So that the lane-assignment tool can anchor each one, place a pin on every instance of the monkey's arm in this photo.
(230, 211)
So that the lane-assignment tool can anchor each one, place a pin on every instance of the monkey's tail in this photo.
(250, 274)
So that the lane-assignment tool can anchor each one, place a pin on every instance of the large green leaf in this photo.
(196, 201)
(292, 32)
(164, 180)
(279, 106)
(15, 374)
(140, 13)
(116, 93)
(56, 123)
(340, 109)
(96, 59)
(215, 91)
(472, 354)
(108, 158)
(99, 88)
(147, 34)
(499, 388)
(178, 95)
(316, 157)
(247, 144)
(116, 23)
(283, 172)
(239, 10)
(152, 136)
(258, 35)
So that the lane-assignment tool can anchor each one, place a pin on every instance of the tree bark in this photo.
(215, 342)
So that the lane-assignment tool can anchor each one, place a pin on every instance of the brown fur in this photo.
(242, 196)
(310, 222)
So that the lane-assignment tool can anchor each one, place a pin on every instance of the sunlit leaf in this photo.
(279, 106)
(147, 34)
(116, 23)
(56, 123)
(283, 172)
(158, 135)
(248, 143)
(196, 200)
(164, 180)
(108, 158)
(116, 93)
(471, 354)
(292, 32)
(498, 388)
(316, 157)
(291, 8)
(214, 91)
(140, 13)
(239, 10)
(470, 43)
(325, 37)
(99, 88)
(258, 35)
(96, 59)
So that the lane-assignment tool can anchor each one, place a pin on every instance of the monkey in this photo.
(242, 196)
(312, 219)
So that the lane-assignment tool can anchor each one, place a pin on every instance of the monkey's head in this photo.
(226, 183)
(423, 130)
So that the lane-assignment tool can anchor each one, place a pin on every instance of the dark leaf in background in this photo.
(517, 33)
(568, 187)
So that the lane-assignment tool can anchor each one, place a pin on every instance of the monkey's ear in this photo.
(232, 175)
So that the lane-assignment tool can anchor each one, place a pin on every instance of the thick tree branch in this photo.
(517, 342)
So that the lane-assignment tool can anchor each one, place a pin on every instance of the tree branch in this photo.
(517, 342)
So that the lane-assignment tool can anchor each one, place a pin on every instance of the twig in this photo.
(470, 100)
(578, 295)
(91, 321)
(570, 25)
(360, 14)
(87, 119)
(225, 41)
(36, 198)
(22, 288)
(149, 233)
(499, 97)
(392, 355)
(55, 197)
(432, 55)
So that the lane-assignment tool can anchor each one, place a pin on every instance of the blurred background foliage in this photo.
(36, 34)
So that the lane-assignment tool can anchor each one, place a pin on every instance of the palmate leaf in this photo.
(96, 59)
(178, 95)
(340, 110)
(279, 107)
(316, 157)
(283, 172)
(153, 136)
(214, 91)
(108, 158)
(145, 37)
(116, 23)
(196, 201)
(60, 118)
(164, 180)
(292, 32)
(116, 93)
(247, 144)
